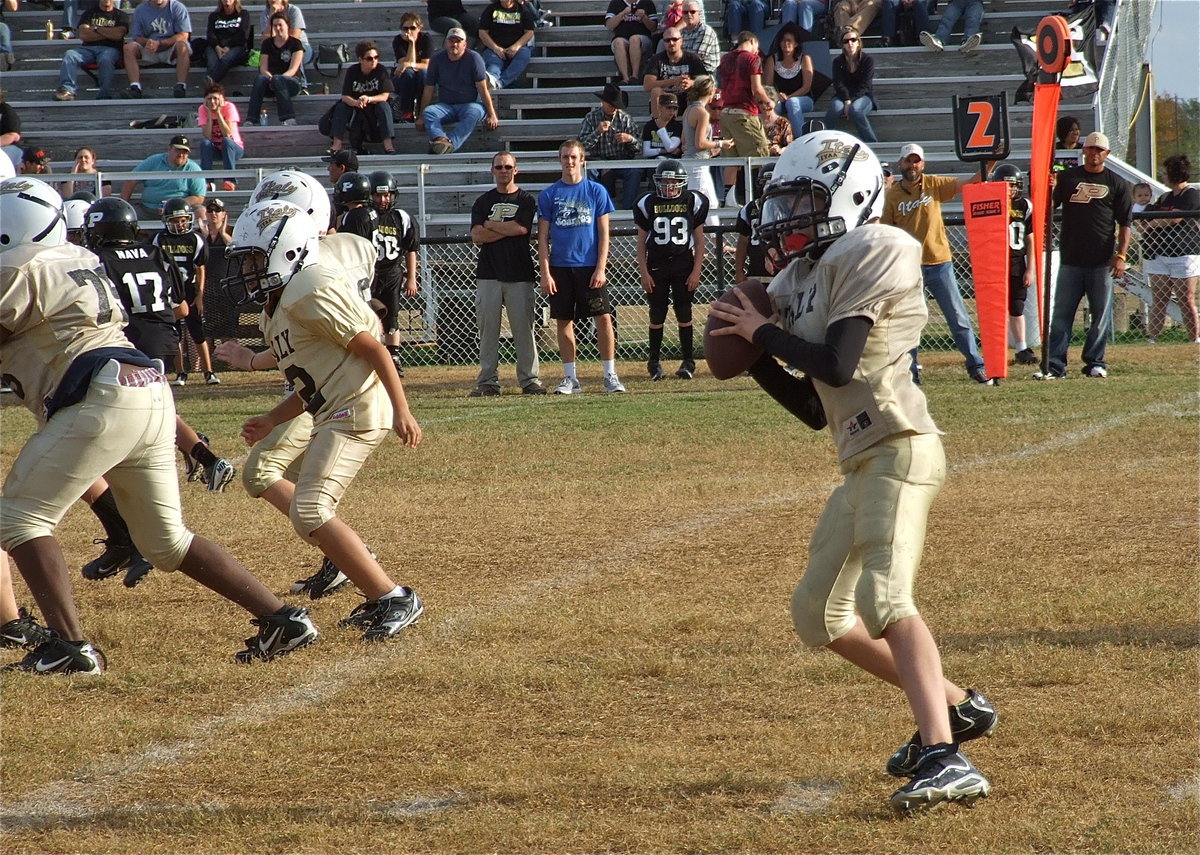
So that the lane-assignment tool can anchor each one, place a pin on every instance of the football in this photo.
(730, 355)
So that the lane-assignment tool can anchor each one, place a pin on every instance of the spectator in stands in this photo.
(366, 98)
(1067, 135)
(608, 133)
(1176, 267)
(501, 223)
(1106, 13)
(506, 31)
(10, 130)
(413, 47)
(297, 28)
(102, 32)
(742, 96)
(631, 22)
(1096, 204)
(858, 14)
(971, 14)
(159, 35)
(853, 86)
(914, 203)
(699, 37)
(918, 10)
(662, 136)
(35, 161)
(85, 164)
(672, 16)
(790, 71)
(698, 142)
(155, 191)
(281, 58)
(228, 36)
(808, 15)
(219, 132)
(460, 78)
(742, 15)
(447, 15)
(671, 70)
(7, 58)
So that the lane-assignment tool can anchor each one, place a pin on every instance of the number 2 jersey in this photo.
(872, 272)
(669, 226)
(150, 287)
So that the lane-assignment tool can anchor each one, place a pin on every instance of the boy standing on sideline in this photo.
(501, 222)
(573, 248)
(1021, 266)
(184, 246)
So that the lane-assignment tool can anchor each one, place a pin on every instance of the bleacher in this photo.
(571, 60)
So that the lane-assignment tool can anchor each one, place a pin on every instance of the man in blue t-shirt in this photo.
(155, 191)
(160, 35)
(463, 96)
(573, 247)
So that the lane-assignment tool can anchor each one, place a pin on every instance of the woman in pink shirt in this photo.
(219, 132)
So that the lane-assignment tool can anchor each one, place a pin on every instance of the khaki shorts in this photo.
(166, 56)
(277, 456)
(865, 550)
(330, 465)
(746, 131)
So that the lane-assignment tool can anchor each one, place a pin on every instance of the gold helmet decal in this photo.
(834, 148)
(271, 188)
(273, 214)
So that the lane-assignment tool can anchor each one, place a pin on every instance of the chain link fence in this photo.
(438, 325)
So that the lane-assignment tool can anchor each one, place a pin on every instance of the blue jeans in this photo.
(5, 38)
(466, 116)
(745, 15)
(920, 13)
(506, 71)
(1072, 285)
(230, 153)
(795, 108)
(77, 57)
(859, 108)
(285, 89)
(218, 67)
(971, 12)
(408, 85)
(805, 14)
(941, 282)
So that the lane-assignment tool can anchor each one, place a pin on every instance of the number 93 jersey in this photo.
(670, 225)
(318, 314)
(58, 303)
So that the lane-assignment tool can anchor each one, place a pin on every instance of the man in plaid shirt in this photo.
(609, 133)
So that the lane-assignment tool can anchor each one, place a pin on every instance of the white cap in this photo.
(912, 148)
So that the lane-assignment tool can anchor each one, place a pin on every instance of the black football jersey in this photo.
(395, 236)
(756, 253)
(360, 221)
(669, 224)
(189, 252)
(147, 280)
(1020, 222)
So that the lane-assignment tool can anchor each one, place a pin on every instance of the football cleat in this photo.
(1026, 357)
(193, 469)
(384, 618)
(970, 719)
(136, 570)
(219, 475)
(58, 656)
(654, 369)
(327, 580)
(944, 775)
(686, 370)
(115, 558)
(23, 631)
(288, 629)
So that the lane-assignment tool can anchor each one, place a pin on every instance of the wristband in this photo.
(1120, 255)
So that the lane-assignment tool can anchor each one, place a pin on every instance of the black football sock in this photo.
(203, 455)
(105, 509)
(656, 338)
(687, 343)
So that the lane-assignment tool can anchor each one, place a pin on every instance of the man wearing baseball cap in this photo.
(1096, 205)
(34, 161)
(914, 204)
(155, 191)
(461, 81)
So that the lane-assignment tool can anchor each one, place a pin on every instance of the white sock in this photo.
(1020, 345)
(569, 370)
(397, 591)
(610, 366)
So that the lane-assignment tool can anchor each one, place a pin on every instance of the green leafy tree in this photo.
(1177, 128)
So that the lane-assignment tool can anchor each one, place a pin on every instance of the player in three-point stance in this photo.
(849, 308)
(670, 253)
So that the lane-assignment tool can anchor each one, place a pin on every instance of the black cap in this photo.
(180, 141)
(613, 94)
(34, 155)
(214, 204)
(343, 157)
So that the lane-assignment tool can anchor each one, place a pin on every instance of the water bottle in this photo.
(263, 119)
(49, 29)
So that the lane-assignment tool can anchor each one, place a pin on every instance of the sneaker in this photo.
(1048, 375)
(64, 95)
(211, 378)
(288, 122)
(288, 629)
(568, 386)
(115, 558)
(180, 90)
(932, 42)
(970, 719)
(654, 369)
(1026, 357)
(534, 388)
(396, 361)
(132, 92)
(493, 81)
(180, 379)
(384, 618)
(58, 656)
(484, 392)
(218, 476)
(686, 370)
(979, 375)
(944, 775)
(971, 43)
(613, 384)
(23, 631)
(1095, 371)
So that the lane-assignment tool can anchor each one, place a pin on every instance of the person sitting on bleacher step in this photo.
(159, 36)
(102, 32)
(461, 81)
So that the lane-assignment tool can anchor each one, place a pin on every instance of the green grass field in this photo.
(607, 663)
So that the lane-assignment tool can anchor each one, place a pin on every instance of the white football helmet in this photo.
(272, 241)
(299, 188)
(75, 213)
(30, 213)
(825, 184)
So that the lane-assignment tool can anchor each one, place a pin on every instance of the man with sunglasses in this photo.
(671, 70)
(366, 93)
(699, 37)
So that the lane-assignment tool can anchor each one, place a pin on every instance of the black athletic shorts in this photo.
(387, 288)
(573, 299)
(1017, 292)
